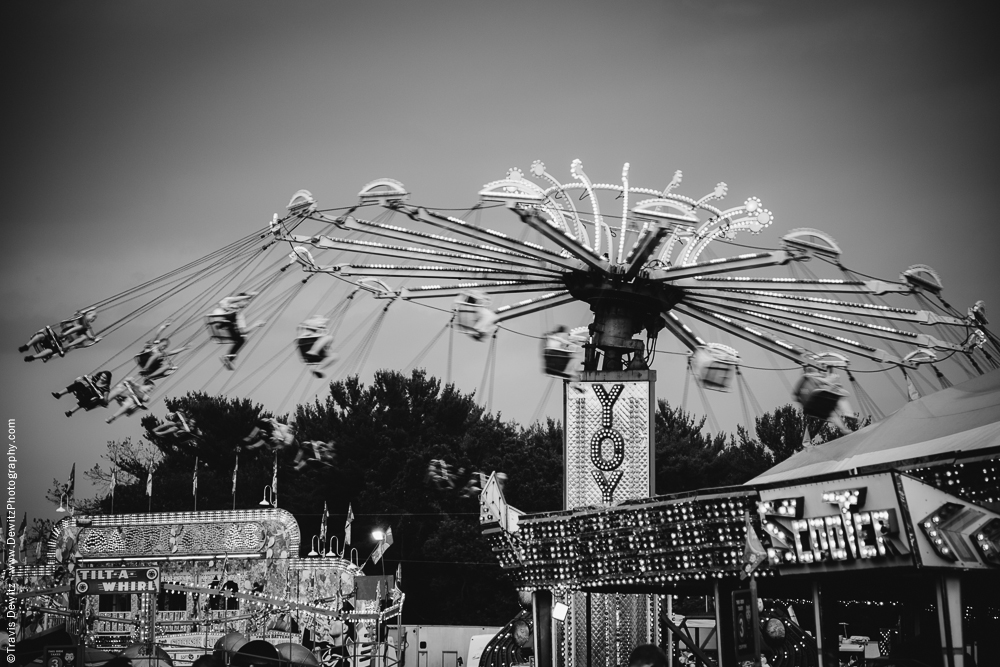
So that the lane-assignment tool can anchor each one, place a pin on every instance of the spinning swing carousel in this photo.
(643, 260)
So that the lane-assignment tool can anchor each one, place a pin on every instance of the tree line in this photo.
(385, 435)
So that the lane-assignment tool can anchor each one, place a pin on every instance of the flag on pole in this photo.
(399, 574)
(236, 467)
(347, 526)
(22, 536)
(194, 478)
(114, 481)
(38, 550)
(149, 482)
(322, 526)
(71, 484)
(382, 546)
(754, 553)
(274, 482)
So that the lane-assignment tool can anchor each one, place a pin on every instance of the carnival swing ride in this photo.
(645, 261)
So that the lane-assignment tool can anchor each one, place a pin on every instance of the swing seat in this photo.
(222, 327)
(138, 403)
(305, 344)
(818, 395)
(562, 353)
(714, 367)
(50, 342)
(472, 315)
(88, 396)
(557, 363)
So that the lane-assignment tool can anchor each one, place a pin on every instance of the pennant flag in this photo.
(149, 483)
(22, 535)
(911, 389)
(347, 526)
(322, 526)
(754, 553)
(71, 484)
(194, 479)
(236, 467)
(382, 546)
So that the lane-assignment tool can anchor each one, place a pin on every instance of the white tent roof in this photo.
(960, 419)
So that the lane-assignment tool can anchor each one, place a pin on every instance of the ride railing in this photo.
(108, 626)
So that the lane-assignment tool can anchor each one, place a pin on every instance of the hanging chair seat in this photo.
(87, 395)
(562, 355)
(305, 345)
(473, 316)
(223, 327)
(50, 342)
(714, 367)
(819, 395)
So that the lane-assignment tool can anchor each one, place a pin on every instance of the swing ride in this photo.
(643, 260)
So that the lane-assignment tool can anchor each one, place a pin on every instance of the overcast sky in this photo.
(140, 135)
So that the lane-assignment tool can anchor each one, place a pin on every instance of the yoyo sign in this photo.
(117, 580)
(608, 451)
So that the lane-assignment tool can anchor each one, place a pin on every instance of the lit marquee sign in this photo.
(953, 533)
(608, 457)
(115, 580)
(802, 533)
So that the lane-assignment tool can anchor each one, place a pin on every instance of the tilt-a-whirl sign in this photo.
(117, 580)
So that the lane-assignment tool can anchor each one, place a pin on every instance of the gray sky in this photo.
(142, 134)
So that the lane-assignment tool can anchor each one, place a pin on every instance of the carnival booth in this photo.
(187, 584)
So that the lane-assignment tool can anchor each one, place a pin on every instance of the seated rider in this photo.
(78, 328)
(439, 474)
(131, 397)
(227, 319)
(45, 343)
(90, 392)
(48, 343)
(321, 452)
(271, 433)
(472, 316)
(314, 343)
(178, 424)
(155, 362)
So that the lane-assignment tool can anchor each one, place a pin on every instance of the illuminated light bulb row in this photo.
(845, 498)
(784, 507)
(931, 526)
(814, 299)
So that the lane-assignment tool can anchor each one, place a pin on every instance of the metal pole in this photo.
(818, 618)
(541, 610)
(590, 634)
(949, 596)
(755, 620)
(718, 622)
(670, 635)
